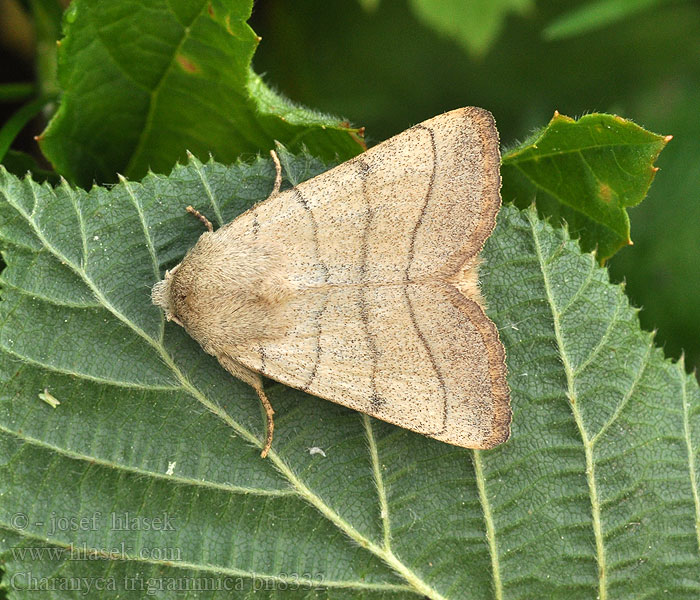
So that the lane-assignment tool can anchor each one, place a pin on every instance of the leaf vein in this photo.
(378, 480)
(228, 571)
(512, 157)
(153, 95)
(207, 188)
(490, 526)
(144, 472)
(620, 407)
(601, 343)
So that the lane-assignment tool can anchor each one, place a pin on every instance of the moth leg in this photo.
(254, 380)
(278, 174)
(201, 217)
(269, 412)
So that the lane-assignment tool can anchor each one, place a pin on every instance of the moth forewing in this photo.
(361, 285)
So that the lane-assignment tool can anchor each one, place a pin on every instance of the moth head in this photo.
(161, 295)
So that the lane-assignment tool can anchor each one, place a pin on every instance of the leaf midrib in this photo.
(512, 157)
(490, 525)
(384, 553)
(571, 393)
(146, 130)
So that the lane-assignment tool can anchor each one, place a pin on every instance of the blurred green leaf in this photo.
(144, 81)
(15, 124)
(475, 25)
(595, 495)
(585, 172)
(12, 92)
(596, 15)
(21, 163)
(47, 27)
(369, 5)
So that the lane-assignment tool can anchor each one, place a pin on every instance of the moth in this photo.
(361, 285)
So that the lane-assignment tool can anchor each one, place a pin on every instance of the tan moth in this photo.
(361, 285)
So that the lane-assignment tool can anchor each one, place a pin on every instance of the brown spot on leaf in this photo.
(605, 192)
(187, 64)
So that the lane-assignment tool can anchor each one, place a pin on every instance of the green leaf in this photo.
(369, 5)
(17, 122)
(595, 15)
(145, 81)
(595, 495)
(474, 25)
(585, 172)
(46, 19)
(20, 163)
(13, 92)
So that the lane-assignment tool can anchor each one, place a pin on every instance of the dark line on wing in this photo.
(256, 226)
(375, 400)
(324, 272)
(433, 362)
(428, 197)
(262, 359)
(411, 255)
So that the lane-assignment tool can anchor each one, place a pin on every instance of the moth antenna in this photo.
(278, 173)
(201, 217)
(269, 412)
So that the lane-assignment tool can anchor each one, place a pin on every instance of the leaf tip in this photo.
(667, 138)
(563, 118)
